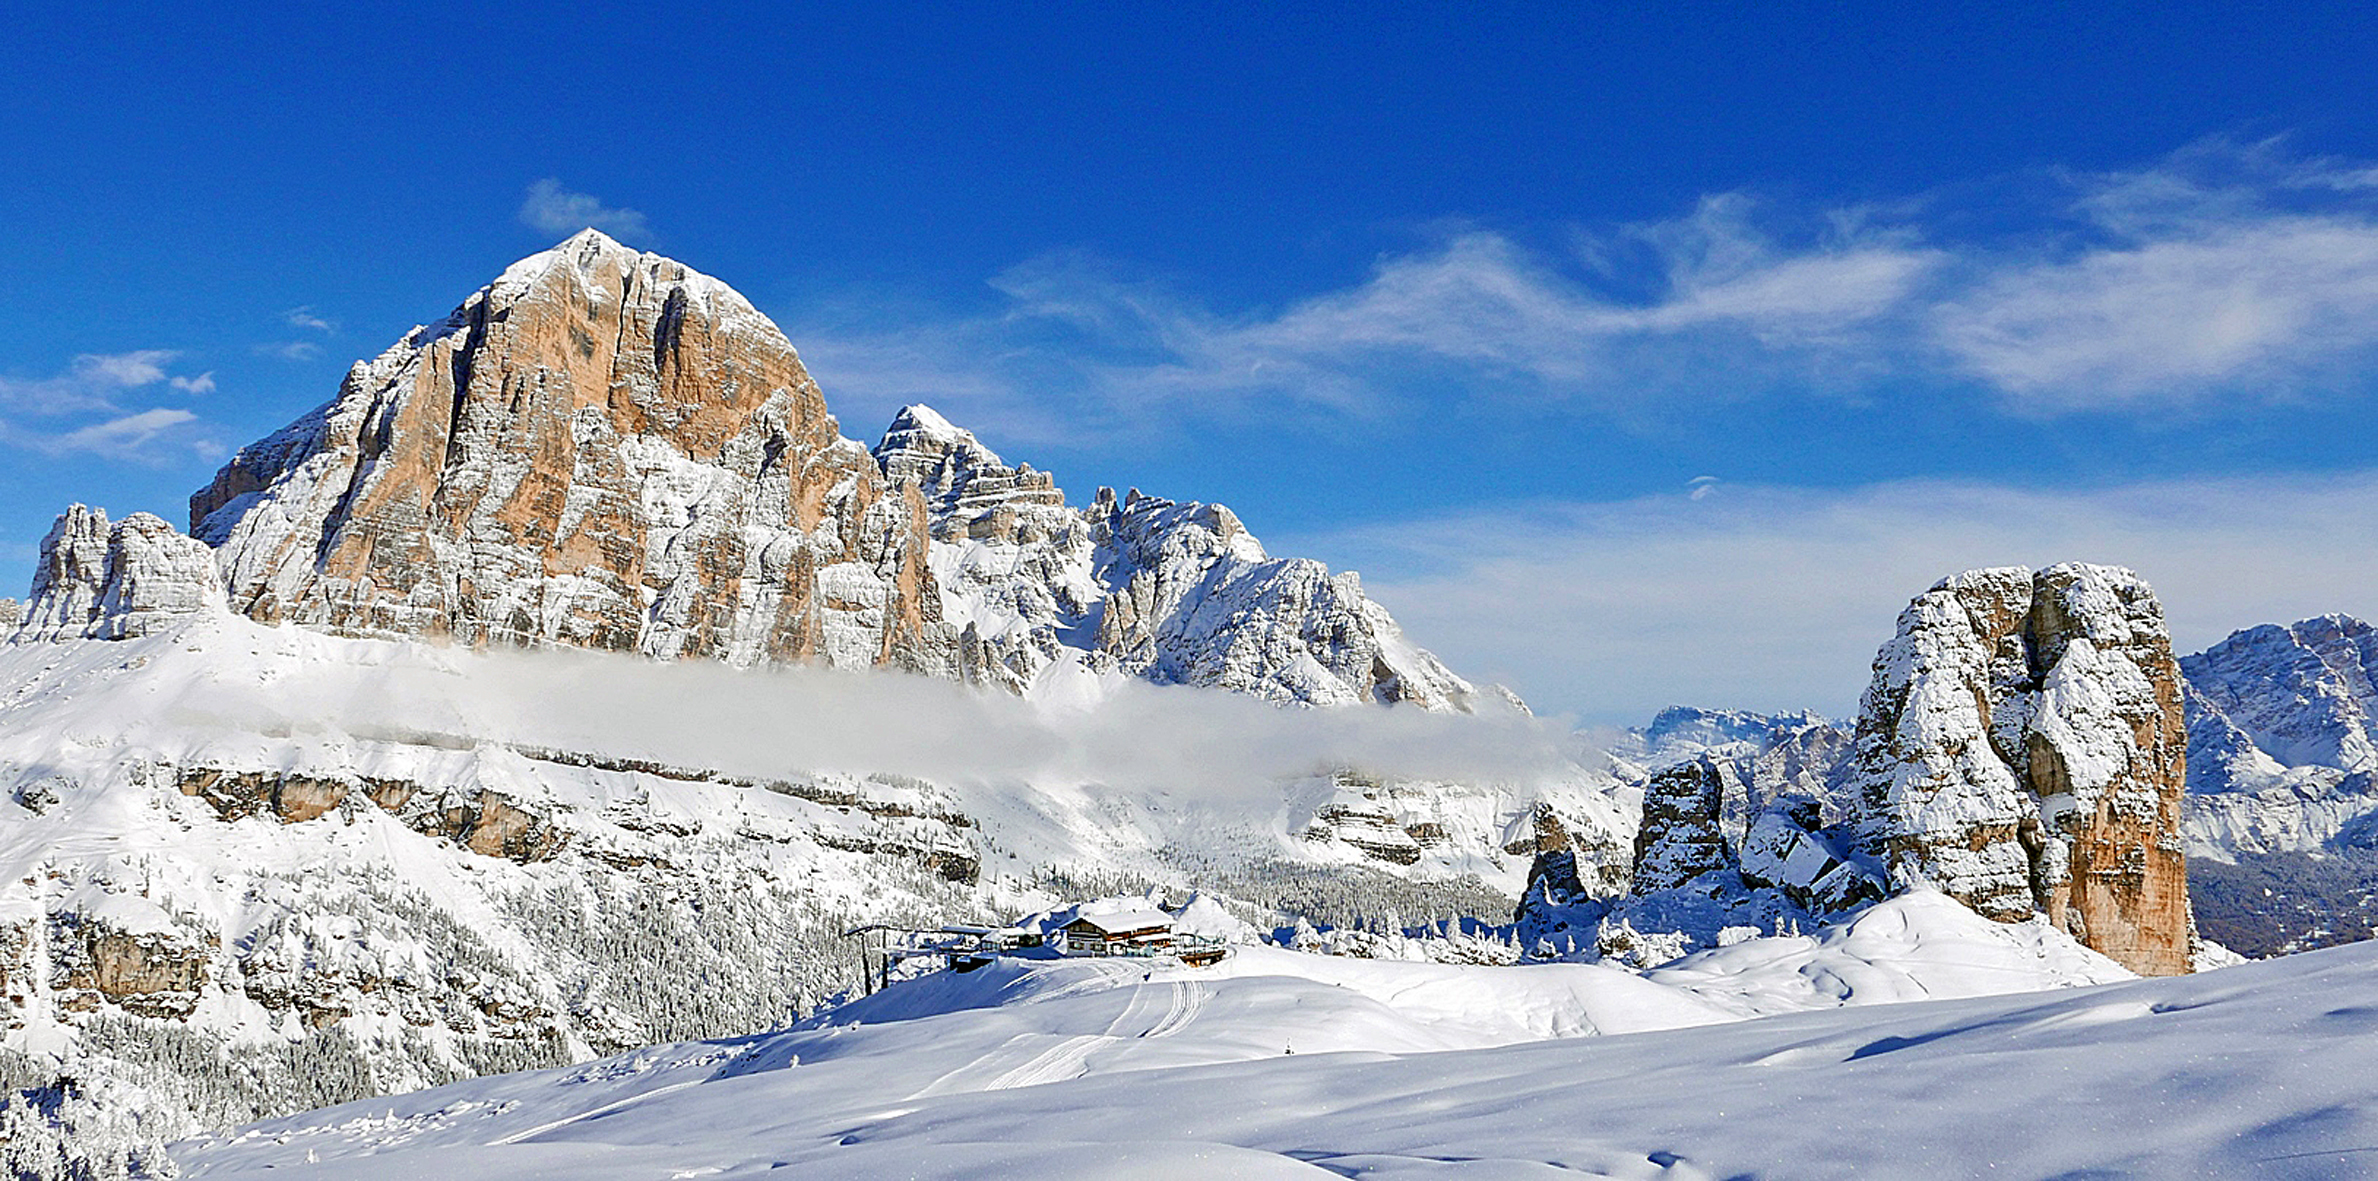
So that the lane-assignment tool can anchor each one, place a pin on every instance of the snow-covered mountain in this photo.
(1172, 593)
(2302, 695)
(608, 449)
(2283, 736)
(569, 682)
(2283, 776)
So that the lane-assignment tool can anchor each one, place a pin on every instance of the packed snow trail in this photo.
(1068, 1059)
(597, 1113)
(1031, 1059)
(1188, 1000)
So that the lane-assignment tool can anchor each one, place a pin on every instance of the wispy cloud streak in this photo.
(94, 389)
(2224, 275)
(549, 208)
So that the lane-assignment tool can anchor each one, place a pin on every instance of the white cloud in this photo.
(306, 318)
(1777, 598)
(96, 382)
(766, 721)
(552, 209)
(135, 436)
(122, 370)
(99, 385)
(290, 350)
(1074, 350)
(2271, 303)
(2224, 273)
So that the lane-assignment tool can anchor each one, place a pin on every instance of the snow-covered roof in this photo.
(1125, 922)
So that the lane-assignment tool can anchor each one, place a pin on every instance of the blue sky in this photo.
(1634, 353)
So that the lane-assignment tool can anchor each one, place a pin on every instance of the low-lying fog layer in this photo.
(763, 721)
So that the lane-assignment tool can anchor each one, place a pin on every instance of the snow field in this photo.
(1272, 1063)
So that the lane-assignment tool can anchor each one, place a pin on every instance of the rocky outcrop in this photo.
(1600, 862)
(602, 449)
(484, 822)
(2022, 749)
(1357, 816)
(107, 582)
(154, 972)
(1682, 836)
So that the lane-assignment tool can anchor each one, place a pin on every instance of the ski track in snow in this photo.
(1188, 1000)
(1068, 1058)
(527, 1134)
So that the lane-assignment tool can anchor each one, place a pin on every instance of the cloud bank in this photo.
(1775, 598)
(782, 721)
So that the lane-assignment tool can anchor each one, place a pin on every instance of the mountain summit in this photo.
(602, 448)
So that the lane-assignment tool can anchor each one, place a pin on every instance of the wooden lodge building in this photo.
(1136, 933)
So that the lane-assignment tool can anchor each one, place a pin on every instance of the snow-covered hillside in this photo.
(248, 868)
(1276, 1064)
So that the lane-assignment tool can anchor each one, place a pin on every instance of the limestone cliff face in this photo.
(98, 581)
(602, 449)
(2022, 749)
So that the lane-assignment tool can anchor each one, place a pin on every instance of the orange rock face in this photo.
(601, 449)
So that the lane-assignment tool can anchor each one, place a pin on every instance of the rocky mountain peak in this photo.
(2305, 694)
(605, 448)
(601, 448)
(969, 491)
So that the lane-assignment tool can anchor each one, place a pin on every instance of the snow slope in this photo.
(1275, 1063)
(247, 870)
